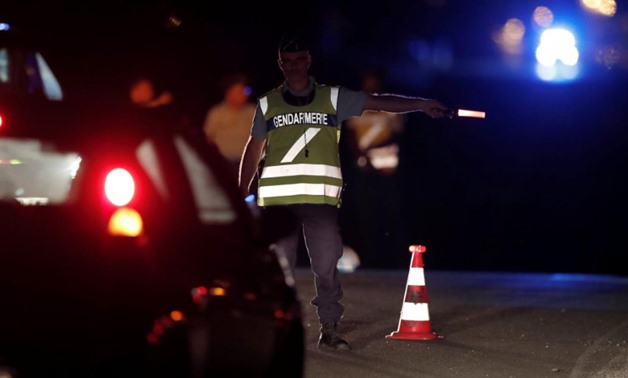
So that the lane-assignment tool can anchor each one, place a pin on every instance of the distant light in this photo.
(4, 26)
(543, 16)
(603, 7)
(557, 56)
(557, 45)
(217, 291)
(177, 316)
(510, 36)
(250, 198)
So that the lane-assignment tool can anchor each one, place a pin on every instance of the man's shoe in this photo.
(329, 339)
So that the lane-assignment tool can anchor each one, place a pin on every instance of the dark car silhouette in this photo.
(126, 249)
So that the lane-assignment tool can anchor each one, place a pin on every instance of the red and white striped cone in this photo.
(414, 323)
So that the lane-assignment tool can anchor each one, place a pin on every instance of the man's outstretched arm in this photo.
(393, 103)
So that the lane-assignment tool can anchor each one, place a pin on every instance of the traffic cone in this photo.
(414, 323)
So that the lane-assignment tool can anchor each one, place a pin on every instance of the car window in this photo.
(27, 73)
(35, 173)
(211, 201)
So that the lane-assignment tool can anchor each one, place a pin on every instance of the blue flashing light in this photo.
(557, 56)
(4, 26)
(557, 44)
(250, 198)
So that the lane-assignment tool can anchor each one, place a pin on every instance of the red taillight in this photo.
(1, 120)
(119, 190)
(119, 187)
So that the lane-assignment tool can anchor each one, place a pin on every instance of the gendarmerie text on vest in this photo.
(312, 118)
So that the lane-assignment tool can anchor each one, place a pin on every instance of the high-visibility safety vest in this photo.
(302, 163)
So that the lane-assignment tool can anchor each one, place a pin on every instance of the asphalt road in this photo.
(523, 325)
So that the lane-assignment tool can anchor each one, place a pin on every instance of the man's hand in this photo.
(434, 108)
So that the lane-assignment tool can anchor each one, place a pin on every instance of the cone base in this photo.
(414, 330)
(413, 336)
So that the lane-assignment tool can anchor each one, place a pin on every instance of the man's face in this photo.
(295, 65)
(142, 92)
(237, 95)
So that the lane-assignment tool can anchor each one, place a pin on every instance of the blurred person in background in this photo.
(375, 232)
(157, 104)
(146, 94)
(296, 130)
(373, 136)
(228, 123)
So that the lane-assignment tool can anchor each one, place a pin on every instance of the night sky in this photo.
(539, 185)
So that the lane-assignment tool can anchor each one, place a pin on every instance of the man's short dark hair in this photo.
(293, 43)
(232, 79)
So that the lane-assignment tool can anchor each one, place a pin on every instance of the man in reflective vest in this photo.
(297, 128)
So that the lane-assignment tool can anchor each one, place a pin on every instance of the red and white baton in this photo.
(451, 113)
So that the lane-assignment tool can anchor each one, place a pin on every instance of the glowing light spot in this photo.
(125, 222)
(543, 16)
(119, 187)
(177, 316)
(217, 292)
(557, 45)
(509, 38)
(603, 7)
